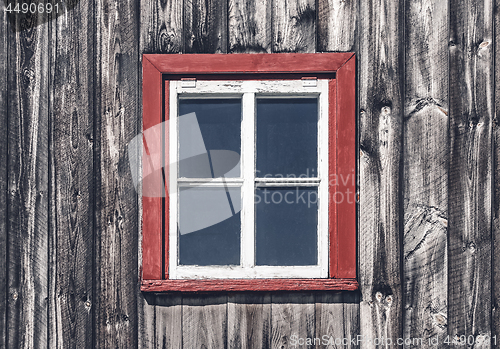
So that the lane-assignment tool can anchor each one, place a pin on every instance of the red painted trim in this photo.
(151, 206)
(249, 63)
(340, 68)
(346, 168)
(249, 285)
(332, 173)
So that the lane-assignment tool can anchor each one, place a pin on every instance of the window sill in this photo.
(238, 285)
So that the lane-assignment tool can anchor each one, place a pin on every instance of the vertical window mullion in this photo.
(248, 171)
(172, 187)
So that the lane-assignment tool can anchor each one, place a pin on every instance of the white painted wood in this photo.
(240, 272)
(172, 188)
(248, 170)
(323, 202)
(248, 91)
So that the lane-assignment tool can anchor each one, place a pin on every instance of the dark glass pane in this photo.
(209, 226)
(286, 226)
(216, 129)
(287, 137)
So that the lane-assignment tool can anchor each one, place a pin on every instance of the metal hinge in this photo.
(188, 82)
(309, 81)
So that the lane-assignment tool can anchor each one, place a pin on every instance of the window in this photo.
(254, 158)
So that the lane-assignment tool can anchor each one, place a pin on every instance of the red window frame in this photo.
(339, 68)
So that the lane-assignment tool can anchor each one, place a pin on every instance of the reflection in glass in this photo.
(286, 226)
(209, 139)
(287, 137)
(209, 226)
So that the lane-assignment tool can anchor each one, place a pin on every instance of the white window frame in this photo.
(248, 91)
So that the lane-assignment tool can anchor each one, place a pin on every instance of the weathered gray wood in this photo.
(294, 25)
(496, 184)
(169, 321)
(426, 156)
(27, 186)
(72, 179)
(204, 321)
(161, 26)
(470, 178)
(117, 226)
(380, 208)
(351, 317)
(329, 319)
(337, 25)
(337, 320)
(292, 318)
(249, 26)
(4, 27)
(249, 321)
(205, 26)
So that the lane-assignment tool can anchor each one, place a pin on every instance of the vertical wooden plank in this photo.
(169, 321)
(117, 98)
(337, 25)
(471, 109)
(249, 26)
(4, 27)
(249, 321)
(351, 318)
(292, 319)
(294, 25)
(72, 178)
(426, 171)
(205, 26)
(161, 26)
(496, 183)
(380, 207)
(27, 166)
(204, 322)
(329, 319)
(337, 320)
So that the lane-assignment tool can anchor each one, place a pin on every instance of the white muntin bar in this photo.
(248, 170)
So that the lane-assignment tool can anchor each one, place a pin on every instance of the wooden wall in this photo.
(429, 173)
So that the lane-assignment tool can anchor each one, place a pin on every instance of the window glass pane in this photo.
(286, 226)
(209, 226)
(215, 127)
(287, 133)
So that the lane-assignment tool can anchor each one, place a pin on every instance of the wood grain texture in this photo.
(470, 178)
(293, 26)
(425, 182)
(117, 105)
(249, 321)
(238, 285)
(249, 26)
(161, 26)
(329, 319)
(4, 27)
(27, 202)
(337, 319)
(169, 321)
(380, 128)
(204, 321)
(72, 179)
(205, 26)
(496, 183)
(337, 25)
(292, 315)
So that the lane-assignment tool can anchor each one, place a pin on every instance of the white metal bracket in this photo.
(309, 82)
(188, 82)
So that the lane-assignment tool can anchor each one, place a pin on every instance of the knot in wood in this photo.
(386, 110)
(484, 44)
(378, 296)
